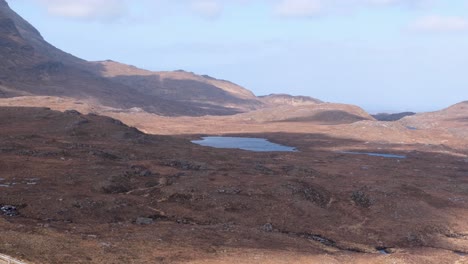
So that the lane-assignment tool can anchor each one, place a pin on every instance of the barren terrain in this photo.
(97, 166)
(88, 189)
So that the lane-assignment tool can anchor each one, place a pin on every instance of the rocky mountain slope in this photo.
(31, 66)
(453, 119)
(180, 86)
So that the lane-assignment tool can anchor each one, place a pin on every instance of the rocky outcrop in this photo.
(286, 99)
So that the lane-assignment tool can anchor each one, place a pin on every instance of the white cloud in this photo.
(108, 10)
(440, 24)
(309, 8)
(86, 9)
(298, 8)
(207, 8)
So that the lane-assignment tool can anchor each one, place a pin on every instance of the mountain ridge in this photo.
(32, 66)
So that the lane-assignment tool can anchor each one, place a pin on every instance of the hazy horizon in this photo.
(382, 55)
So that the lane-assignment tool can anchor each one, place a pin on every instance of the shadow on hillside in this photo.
(332, 117)
(180, 96)
(462, 119)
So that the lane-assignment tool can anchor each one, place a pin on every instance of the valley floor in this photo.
(80, 188)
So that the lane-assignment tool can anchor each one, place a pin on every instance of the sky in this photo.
(383, 55)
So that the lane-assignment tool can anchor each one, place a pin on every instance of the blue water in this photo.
(393, 156)
(383, 251)
(251, 144)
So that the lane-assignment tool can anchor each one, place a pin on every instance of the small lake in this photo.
(384, 155)
(245, 143)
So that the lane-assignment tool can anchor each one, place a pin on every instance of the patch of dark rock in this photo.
(315, 194)
(361, 199)
(152, 184)
(317, 238)
(103, 154)
(6, 149)
(38, 153)
(229, 190)
(9, 210)
(117, 122)
(138, 170)
(268, 227)
(78, 123)
(144, 221)
(460, 253)
(159, 217)
(299, 171)
(117, 184)
(78, 146)
(59, 153)
(414, 239)
(456, 235)
(50, 67)
(26, 152)
(185, 221)
(72, 112)
(323, 240)
(186, 165)
(235, 207)
(263, 169)
(383, 250)
(180, 198)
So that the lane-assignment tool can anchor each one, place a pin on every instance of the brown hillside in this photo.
(31, 66)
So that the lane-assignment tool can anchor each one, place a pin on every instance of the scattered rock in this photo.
(383, 250)
(187, 165)
(144, 221)
(185, 221)
(9, 210)
(163, 181)
(323, 240)
(138, 170)
(268, 227)
(315, 194)
(229, 190)
(180, 198)
(361, 199)
(103, 154)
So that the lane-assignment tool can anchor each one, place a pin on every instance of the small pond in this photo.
(392, 156)
(245, 143)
